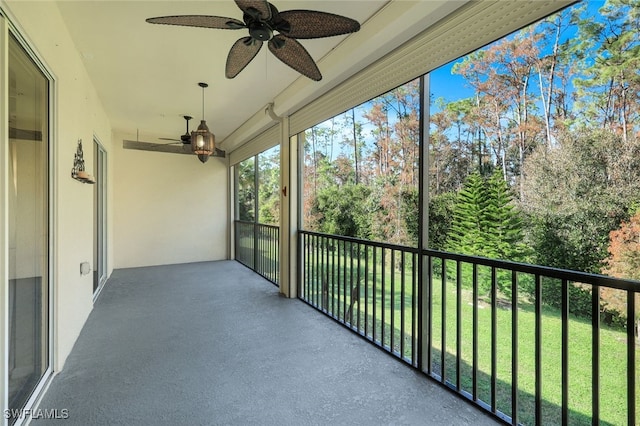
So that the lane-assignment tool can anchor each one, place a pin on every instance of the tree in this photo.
(485, 221)
(441, 209)
(269, 186)
(246, 190)
(576, 193)
(623, 262)
(624, 250)
(343, 210)
(609, 49)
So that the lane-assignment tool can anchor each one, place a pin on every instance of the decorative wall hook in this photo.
(78, 172)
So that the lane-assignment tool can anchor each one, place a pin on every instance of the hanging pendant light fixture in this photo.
(203, 142)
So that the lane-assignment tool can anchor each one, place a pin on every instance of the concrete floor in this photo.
(214, 343)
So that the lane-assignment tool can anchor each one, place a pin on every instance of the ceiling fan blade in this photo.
(148, 146)
(292, 53)
(261, 6)
(314, 24)
(169, 139)
(202, 21)
(241, 53)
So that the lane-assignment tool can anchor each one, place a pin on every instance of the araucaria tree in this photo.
(485, 221)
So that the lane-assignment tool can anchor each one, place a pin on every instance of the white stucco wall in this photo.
(170, 208)
(77, 114)
(162, 208)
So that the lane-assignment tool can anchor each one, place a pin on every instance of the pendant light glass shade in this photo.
(203, 142)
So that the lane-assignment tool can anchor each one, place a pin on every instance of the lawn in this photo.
(343, 275)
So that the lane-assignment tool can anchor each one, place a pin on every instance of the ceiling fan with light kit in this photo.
(200, 142)
(279, 29)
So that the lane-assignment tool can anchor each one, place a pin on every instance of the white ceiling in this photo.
(147, 75)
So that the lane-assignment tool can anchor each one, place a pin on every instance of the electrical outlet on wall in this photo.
(85, 268)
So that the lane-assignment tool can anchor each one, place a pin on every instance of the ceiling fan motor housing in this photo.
(260, 31)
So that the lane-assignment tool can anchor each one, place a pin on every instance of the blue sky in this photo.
(453, 87)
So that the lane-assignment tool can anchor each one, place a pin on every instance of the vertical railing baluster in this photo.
(458, 323)
(315, 271)
(310, 278)
(443, 325)
(273, 255)
(305, 251)
(320, 273)
(415, 319)
(350, 292)
(375, 291)
(339, 276)
(333, 277)
(402, 303)
(336, 294)
(429, 344)
(312, 281)
(366, 290)
(344, 283)
(538, 349)
(314, 263)
(494, 339)
(392, 301)
(255, 245)
(320, 279)
(358, 290)
(474, 372)
(382, 299)
(631, 358)
(595, 353)
(326, 279)
(514, 347)
(323, 268)
(565, 351)
(259, 257)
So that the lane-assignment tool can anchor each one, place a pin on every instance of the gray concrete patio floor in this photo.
(213, 343)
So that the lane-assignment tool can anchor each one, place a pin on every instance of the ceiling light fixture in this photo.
(203, 142)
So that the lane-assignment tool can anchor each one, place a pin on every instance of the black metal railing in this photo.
(365, 286)
(529, 344)
(257, 246)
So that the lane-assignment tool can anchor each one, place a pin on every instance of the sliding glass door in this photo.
(99, 218)
(28, 230)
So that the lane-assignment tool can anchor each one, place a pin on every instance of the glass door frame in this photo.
(8, 29)
(100, 216)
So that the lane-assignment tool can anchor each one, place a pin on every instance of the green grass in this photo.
(338, 274)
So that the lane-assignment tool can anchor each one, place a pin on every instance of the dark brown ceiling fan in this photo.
(262, 19)
(176, 146)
